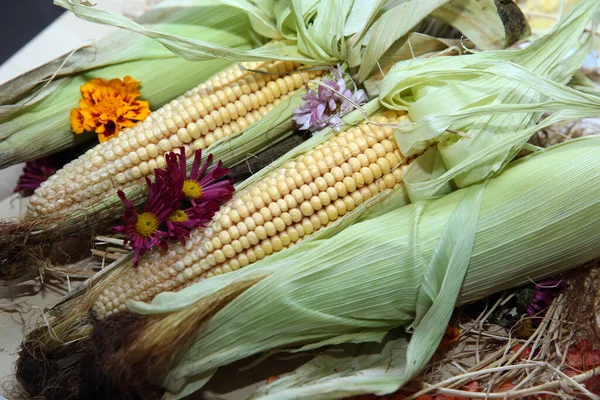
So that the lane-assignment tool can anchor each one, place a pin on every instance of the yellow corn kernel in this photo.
(225, 104)
(275, 213)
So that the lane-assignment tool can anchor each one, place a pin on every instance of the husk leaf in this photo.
(328, 31)
(490, 24)
(35, 118)
(306, 47)
(503, 26)
(488, 102)
(418, 45)
(370, 277)
(392, 25)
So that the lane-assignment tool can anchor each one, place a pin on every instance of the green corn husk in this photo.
(487, 91)
(580, 105)
(452, 254)
(583, 106)
(359, 32)
(405, 266)
(34, 118)
(230, 150)
(167, 303)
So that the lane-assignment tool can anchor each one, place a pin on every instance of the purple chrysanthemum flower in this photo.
(325, 107)
(181, 222)
(142, 231)
(203, 184)
(176, 204)
(34, 173)
(542, 296)
(209, 182)
(203, 191)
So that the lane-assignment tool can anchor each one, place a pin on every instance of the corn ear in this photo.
(272, 214)
(265, 132)
(35, 118)
(226, 104)
(378, 274)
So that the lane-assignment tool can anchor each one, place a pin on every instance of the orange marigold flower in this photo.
(106, 107)
(450, 336)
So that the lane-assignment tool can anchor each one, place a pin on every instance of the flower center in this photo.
(146, 225)
(109, 105)
(178, 216)
(191, 189)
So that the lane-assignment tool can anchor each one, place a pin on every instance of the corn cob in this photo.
(277, 212)
(227, 103)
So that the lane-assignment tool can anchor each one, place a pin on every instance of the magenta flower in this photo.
(325, 107)
(35, 172)
(181, 222)
(542, 296)
(176, 204)
(204, 190)
(143, 231)
(204, 184)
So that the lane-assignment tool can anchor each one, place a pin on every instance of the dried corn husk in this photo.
(34, 114)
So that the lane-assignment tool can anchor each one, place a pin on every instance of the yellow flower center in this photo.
(110, 105)
(178, 216)
(191, 189)
(146, 225)
(526, 329)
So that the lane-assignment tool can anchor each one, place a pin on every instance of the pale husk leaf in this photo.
(417, 46)
(480, 86)
(503, 26)
(391, 26)
(489, 24)
(325, 31)
(196, 49)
